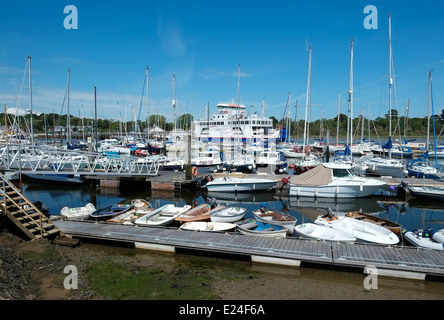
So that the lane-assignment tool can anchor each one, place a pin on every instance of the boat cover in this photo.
(319, 175)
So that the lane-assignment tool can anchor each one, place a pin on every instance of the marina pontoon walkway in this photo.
(397, 261)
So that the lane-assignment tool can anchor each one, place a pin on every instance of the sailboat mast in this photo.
(337, 123)
(307, 100)
(390, 82)
(428, 114)
(68, 119)
(148, 104)
(350, 100)
(174, 104)
(30, 99)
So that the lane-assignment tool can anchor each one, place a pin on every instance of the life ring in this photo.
(194, 171)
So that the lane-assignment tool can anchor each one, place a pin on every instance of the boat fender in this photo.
(194, 171)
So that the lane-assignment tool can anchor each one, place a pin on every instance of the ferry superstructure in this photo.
(231, 122)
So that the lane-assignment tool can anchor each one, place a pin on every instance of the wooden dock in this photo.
(395, 261)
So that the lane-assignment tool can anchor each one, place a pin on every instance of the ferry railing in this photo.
(45, 159)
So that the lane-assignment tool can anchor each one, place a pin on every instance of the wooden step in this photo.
(35, 216)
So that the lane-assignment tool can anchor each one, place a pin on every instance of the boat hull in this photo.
(230, 214)
(207, 226)
(335, 190)
(361, 230)
(245, 185)
(317, 232)
(427, 192)
(417, 239)
(251, 227)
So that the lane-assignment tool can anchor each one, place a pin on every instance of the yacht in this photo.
(333, 180)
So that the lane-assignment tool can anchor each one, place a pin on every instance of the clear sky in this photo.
(203, 42)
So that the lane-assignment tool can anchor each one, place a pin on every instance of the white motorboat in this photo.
(333, 180)
(361, 230)
(162, 216)
(322, 233)
(78, 212)
(230, 184)
(422, 238)
(228, 214)
(207, 226)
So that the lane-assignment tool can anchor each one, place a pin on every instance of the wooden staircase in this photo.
(22, 212)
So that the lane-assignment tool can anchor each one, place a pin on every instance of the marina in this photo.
(400, 260)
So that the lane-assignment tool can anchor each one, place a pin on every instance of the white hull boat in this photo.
(229, 214)
(78, 212)
(162, 216)
(333, 180)
(361, 230)
(322, 233)
(422, 239)
(229, 184)
(208, 226)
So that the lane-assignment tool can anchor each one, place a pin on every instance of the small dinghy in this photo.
(423, 239)
(140, 207)
(208, 226)
(253, 227)
(162, 216)
(110, 211)
(361, 230)
(318, 232)
(267, 215)
(391, 225)
(228, 214)
(199, 213)
(78, 212)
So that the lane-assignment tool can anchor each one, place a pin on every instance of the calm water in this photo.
(413, 214)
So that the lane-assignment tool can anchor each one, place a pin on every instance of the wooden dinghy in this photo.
(391, 225)
(200, 213)
(267, 215)
(140, 207)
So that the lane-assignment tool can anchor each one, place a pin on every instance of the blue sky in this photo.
(203, 42)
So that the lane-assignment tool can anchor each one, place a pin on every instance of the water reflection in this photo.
(415, 213)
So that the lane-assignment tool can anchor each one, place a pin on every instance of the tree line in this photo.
(401, 126)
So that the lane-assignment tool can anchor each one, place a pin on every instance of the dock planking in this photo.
(395, 258)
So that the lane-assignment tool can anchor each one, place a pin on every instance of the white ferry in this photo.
(231, 122)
